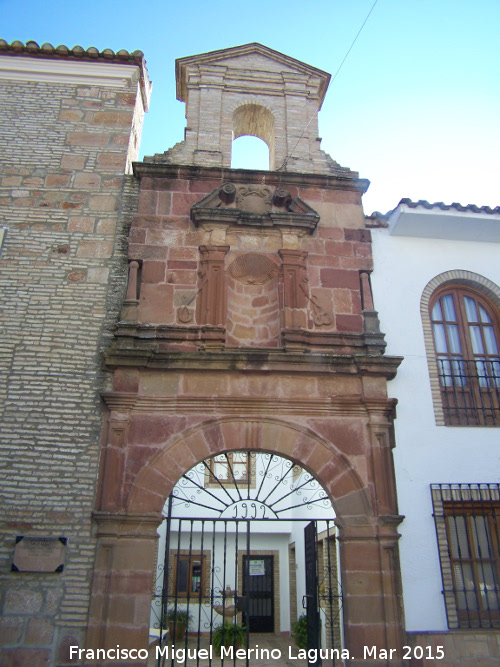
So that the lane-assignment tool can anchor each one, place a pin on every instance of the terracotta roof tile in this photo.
(377, 219)
(46, 50)
(448, 207)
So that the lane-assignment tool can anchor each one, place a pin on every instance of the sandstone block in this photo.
(103, 203)
(98, 275)
(40, 632)
(106, 226)
(71, 115)
(113, 118)
(339, 278)
(11, 629)
(121, 139)
(81, 224)
(115, 161)
(73, 161)
(87, 139)
(91, 248)
(87, 181)
(22, 601)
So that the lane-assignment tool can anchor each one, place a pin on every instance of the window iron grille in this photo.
(470, 391)
(467, 519)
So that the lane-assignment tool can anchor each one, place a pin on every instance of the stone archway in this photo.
(127, 537)
(330, 467)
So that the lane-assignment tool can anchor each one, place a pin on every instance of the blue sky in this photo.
(415, 107)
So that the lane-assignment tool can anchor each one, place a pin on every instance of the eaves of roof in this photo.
(440, 221)
(381, 218)
(34, 57)
(32, 49)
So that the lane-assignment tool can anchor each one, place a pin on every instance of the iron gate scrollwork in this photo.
(218, 560)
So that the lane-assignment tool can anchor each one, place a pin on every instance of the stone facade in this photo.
(70, 128)
(248, 324)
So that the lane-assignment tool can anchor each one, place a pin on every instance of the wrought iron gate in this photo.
(218, 559)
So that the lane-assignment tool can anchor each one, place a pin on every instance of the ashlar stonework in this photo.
(249, 324)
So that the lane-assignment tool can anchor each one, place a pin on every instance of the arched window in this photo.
(466, 342)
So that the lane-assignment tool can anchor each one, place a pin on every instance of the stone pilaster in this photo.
(211, 303)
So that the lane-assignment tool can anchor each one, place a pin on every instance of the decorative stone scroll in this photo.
(256, 206)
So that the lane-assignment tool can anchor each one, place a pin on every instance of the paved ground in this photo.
(281, 645)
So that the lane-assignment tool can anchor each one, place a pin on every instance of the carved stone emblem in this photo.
(252, 269)
(254, 199)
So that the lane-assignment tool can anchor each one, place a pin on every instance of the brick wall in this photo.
(64, 150)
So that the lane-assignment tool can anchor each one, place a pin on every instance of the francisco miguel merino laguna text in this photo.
(180, 655)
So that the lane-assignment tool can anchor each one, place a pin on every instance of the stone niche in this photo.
(253, 309)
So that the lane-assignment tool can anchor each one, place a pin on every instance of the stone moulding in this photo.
(240, 206)
(150, 355)
(347, 181)
(146, 341)
(352, 406)
(318, 78)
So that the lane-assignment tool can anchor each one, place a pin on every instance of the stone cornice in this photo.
(251, 361)
(352, 406)
(348, 181)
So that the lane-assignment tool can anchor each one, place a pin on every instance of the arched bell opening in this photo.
(248, 538)
(250, 153)
(253, 120)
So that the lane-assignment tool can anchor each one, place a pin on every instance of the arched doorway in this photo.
(131, 510)
(247, 546)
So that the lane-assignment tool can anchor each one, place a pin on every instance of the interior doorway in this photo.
(258, 581)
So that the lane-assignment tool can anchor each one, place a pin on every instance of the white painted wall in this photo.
(425, 453)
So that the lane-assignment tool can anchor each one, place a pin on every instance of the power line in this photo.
(354, 41)
(331, 83)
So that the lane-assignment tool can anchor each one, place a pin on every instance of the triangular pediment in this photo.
(252, 56)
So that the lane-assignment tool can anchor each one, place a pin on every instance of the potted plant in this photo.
(178, 619)
(228, 634)
(299, 631)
